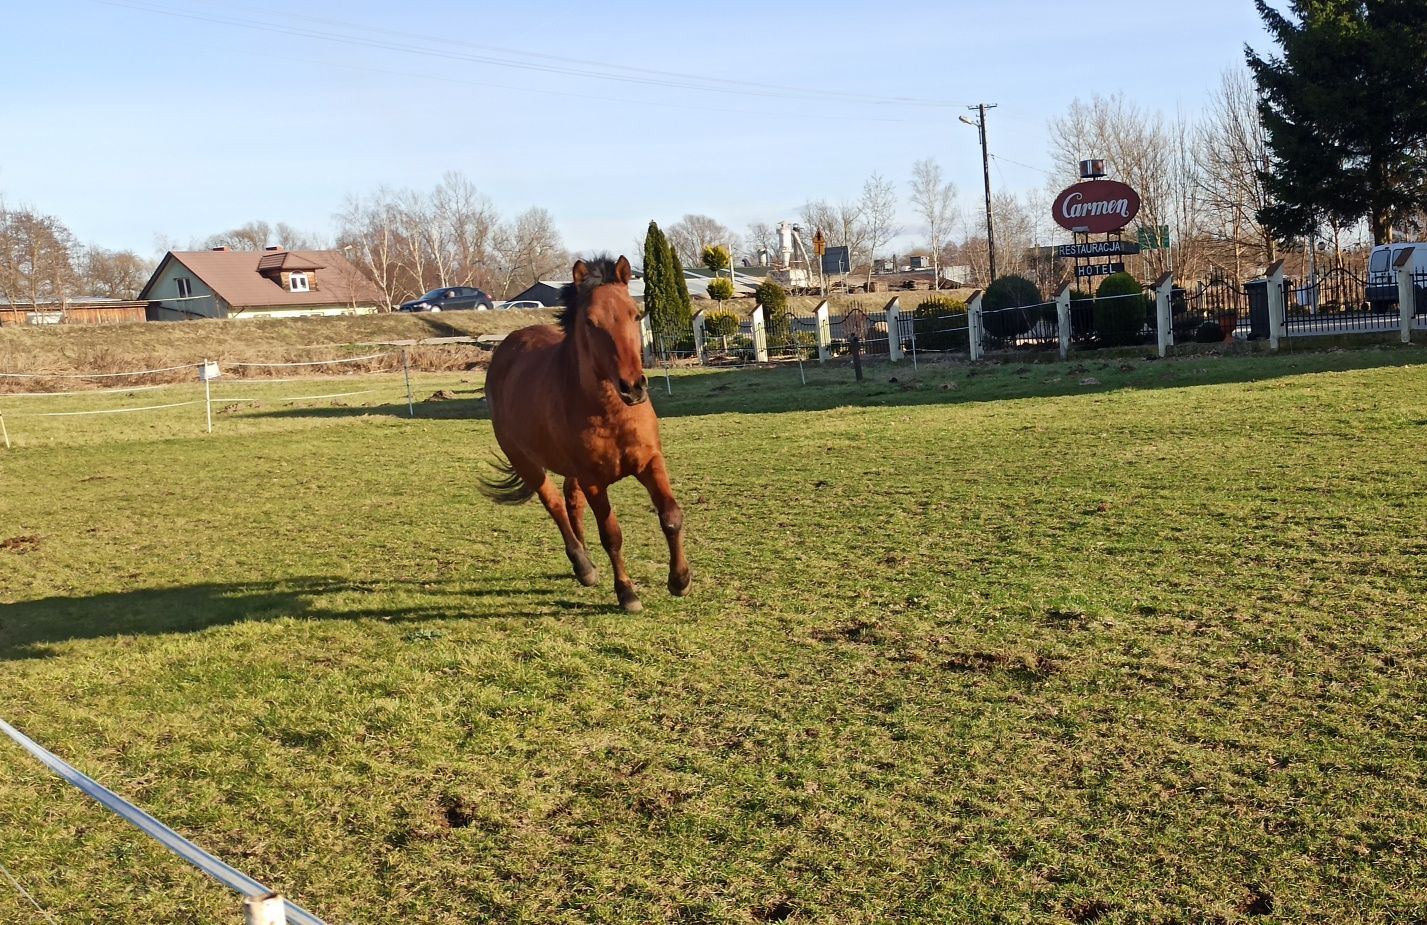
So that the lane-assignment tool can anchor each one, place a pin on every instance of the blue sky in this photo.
(143, 121)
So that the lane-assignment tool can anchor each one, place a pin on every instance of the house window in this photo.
(185, 287)
(297, 282)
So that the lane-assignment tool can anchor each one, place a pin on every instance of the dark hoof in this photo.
(588, 579)
(585, 571)
(680, 588)
(629, 599)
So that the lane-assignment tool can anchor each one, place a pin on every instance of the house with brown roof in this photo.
(272, 283)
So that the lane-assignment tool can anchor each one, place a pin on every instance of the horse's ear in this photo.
(579, 271)
(622, 272)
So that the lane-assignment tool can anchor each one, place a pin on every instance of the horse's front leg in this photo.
(671, 518)
(585, 570)
(575, 512)
(613, 539)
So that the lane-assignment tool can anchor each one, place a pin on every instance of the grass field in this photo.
(1118, 641)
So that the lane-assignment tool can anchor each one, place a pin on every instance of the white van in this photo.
(1382, 274)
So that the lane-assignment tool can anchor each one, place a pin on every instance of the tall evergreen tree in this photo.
(658, 296)
(683, 314)
(1345, 108)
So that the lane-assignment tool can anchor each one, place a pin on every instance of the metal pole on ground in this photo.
(406, 372)
(207, 394)
(668, 384)
(4, 430)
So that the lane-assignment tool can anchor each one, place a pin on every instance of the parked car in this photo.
(449, 299)
(1382, 274)
(524, 305)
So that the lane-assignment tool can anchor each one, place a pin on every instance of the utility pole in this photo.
(980, 124)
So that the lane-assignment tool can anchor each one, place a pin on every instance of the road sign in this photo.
(819, 243)
(1098, 249)
(1099, 269)
(1154, 238)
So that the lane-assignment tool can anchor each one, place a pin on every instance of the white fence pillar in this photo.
(824, 335)
(973, 324)
(1164, 313)
(893, 313)
(1275, 304)
(646, 338)
(760, 336)
(1406, 293)
(699, 334)
(1062, 319)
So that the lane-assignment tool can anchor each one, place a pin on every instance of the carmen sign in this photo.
(1096, 207)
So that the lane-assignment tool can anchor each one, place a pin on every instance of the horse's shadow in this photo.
(32, 629)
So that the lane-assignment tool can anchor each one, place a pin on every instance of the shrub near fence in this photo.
(1120, 311)
(940, 324)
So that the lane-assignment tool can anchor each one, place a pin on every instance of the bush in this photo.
(721, 324)
(1209, 332)
(716, 257)
(1082, 316)
(1006, 293)
(772, 297)
(1120, 310)
(721, 289)
(940, 324)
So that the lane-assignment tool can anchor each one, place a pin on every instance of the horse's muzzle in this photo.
(636, 394)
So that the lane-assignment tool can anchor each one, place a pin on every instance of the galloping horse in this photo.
(574, 400)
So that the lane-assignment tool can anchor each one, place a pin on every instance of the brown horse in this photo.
(574, 400)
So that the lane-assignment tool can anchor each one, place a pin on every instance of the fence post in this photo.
(1275, 303)
(973, 324)
(760, 336)
(646, 339)
(1164, 313)
(699, 335)
(893, 313)
(1406, 293)
(824, 325)
(264, 910)
(1062, 319)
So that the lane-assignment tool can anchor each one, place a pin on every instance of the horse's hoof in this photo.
(628, 598)
(680, 589)
(588, 579)
(632, 605)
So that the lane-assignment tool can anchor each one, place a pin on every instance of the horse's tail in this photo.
(506, 487)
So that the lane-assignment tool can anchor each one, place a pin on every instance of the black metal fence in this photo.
(1334, 303)
(1030, 327)
(1113, 321)
(870, 327)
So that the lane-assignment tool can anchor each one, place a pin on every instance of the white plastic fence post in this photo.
(824, 324)
(1275, 304)
(1406, 294)
(699, 334)
(264, 910)
(1062, 319)
(893, 313)
(760, 336)
(1164, 313)
(406, 372)
(5, 430)
(646, 338)
(207, 393)
(973, 324)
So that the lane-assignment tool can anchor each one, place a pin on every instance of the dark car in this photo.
(449, 299)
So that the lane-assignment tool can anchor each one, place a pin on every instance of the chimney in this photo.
(220, 248)
(272, 247)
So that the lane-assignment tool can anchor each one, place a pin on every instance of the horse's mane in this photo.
(574, 297)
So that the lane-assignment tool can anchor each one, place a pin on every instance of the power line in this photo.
(541, 63)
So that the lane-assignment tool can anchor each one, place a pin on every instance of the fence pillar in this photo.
(760, 336)
(893, 313)
(699, 335)
(646, 338)
(264, 910)
(1406, 293)
(1275, 304)
(1062, 319)
(1164, 313)
(973, 324)
(824, 326)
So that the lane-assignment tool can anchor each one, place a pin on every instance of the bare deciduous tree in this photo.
(112, 274)
(762, 238)
(528, 250)
(1230, 150)
(935, 201)
(692, 233)
(369, 234)
(37, 255)
(879, 216)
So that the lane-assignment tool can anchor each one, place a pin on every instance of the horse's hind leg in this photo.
(585, 570)
(671, 518)
(575, 511)
(613, 539)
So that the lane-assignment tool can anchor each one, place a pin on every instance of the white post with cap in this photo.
(760, 335)
(1164, 313)
(1275, 303)
(1062, 319)
(824, 334)
(973, 324)
(1406, 293)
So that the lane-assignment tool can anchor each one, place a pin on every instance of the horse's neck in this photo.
(584, 388)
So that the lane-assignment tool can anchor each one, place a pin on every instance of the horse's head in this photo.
(604, 322)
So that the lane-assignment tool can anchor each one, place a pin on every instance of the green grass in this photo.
(985, 644)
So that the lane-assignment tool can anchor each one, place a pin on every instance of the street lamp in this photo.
(979, 123)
